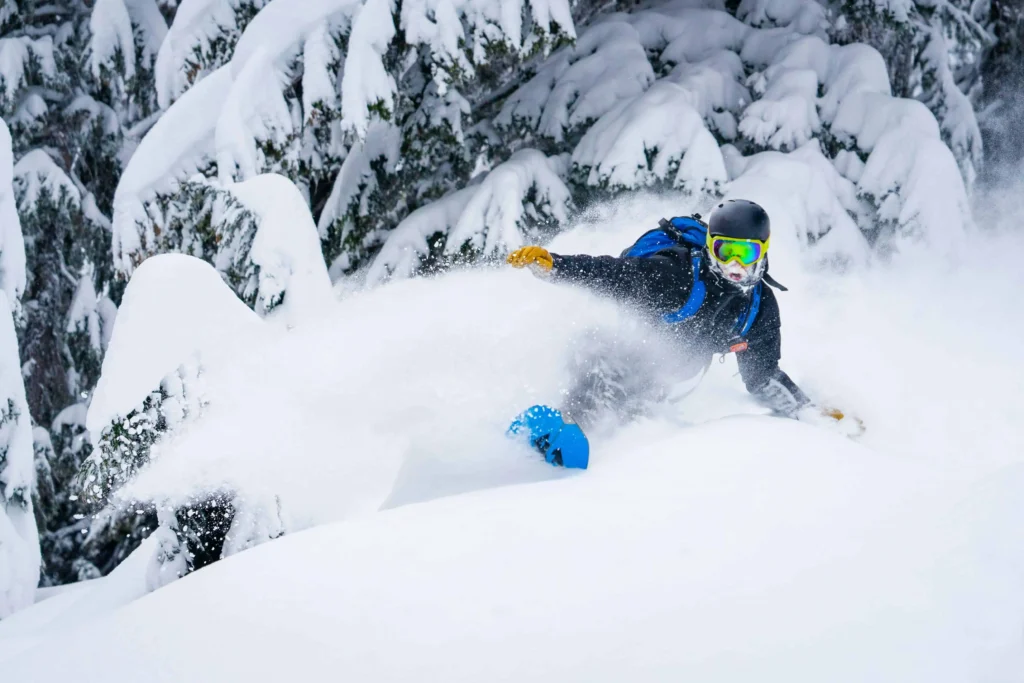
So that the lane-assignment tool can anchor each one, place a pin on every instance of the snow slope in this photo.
(707, 542)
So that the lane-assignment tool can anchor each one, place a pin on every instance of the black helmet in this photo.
(740, 218)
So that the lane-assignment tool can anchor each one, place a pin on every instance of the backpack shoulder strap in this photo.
(697, 293)
(749, 315)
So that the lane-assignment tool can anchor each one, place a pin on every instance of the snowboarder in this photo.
(705, 283)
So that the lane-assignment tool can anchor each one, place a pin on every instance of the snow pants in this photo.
(615, 381)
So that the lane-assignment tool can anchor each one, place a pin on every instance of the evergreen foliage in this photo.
(933, 50)
(75, 109)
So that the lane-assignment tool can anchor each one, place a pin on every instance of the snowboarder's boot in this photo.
(560, 442)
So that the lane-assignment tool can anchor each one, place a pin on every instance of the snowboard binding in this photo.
(562, 443)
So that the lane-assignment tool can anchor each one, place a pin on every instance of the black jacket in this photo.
(661, 284)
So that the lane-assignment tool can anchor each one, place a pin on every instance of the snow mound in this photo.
(176, 307)
(838, 565)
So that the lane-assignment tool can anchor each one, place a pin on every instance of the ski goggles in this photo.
(746, 252)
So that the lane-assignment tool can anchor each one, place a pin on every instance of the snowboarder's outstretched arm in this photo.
(759, 367)
(643, 280)
(759, 363)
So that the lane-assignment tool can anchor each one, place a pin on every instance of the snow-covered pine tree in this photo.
(19, 538)
(367, 145)
(934, 51)
(182, 310)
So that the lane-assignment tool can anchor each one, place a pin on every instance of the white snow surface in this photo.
(706, 542)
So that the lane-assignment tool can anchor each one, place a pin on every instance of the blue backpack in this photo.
(692, 233)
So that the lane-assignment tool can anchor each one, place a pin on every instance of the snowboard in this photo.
(561, 443)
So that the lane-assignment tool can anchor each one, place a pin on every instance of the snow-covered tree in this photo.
(934, 50)
(77, 87)
(365, 145)
(19, 539)
(427, 119)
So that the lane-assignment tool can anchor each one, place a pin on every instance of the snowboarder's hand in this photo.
(538, 257)
(832, 418)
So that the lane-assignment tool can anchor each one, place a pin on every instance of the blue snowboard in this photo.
(562, 443)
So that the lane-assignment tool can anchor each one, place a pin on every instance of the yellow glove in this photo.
(850, 425)
(832, 418)
(531, 256)
(834, 413)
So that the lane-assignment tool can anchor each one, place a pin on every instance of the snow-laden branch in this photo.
(36, 172)
(441, 26)
(197, 24)
(356, 181)
(657, 136)
(367, 83)
(15, 54)
(178, 145)
(255, 109)
(805, 191)
(111, 34)
(288, 271)
(488, 218)
(715, 89)
(579, 84)
(114, 25)
(680, 33)
(910, 176)
(528, 186)
(802, 16)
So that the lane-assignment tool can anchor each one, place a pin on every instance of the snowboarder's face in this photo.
(737, 273)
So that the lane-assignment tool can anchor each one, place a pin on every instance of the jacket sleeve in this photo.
(652, 281)
(759, 363)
